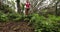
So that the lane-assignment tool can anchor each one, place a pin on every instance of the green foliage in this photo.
(40, 23)
(6, 9)
(10, 17)
(43, 24)
(22, 6)
(14, 16)
(3, 17)
(7, 13)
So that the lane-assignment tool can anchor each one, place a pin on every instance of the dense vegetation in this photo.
(51, 23)
(41, 22)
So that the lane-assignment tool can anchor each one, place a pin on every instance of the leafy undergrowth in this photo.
(15, 27)
(51, 23)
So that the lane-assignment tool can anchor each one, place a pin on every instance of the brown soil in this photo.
(15, 27)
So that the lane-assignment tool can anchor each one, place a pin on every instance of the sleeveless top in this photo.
(27, 5)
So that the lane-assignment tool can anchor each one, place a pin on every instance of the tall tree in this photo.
(57, 6)
(18, 6)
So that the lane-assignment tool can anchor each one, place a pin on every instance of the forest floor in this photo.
(15, 27)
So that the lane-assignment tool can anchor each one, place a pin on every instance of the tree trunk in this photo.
(56, 8)
(18, 6)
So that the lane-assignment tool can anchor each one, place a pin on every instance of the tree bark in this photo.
(18, 6)
(56, 8)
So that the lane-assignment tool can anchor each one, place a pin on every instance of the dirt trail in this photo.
(15, 27)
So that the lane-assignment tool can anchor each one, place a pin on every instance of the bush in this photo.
(3, 17)
(10, 17)
(14, 16)
(7, 13)
(6, 9)
(42, 24)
